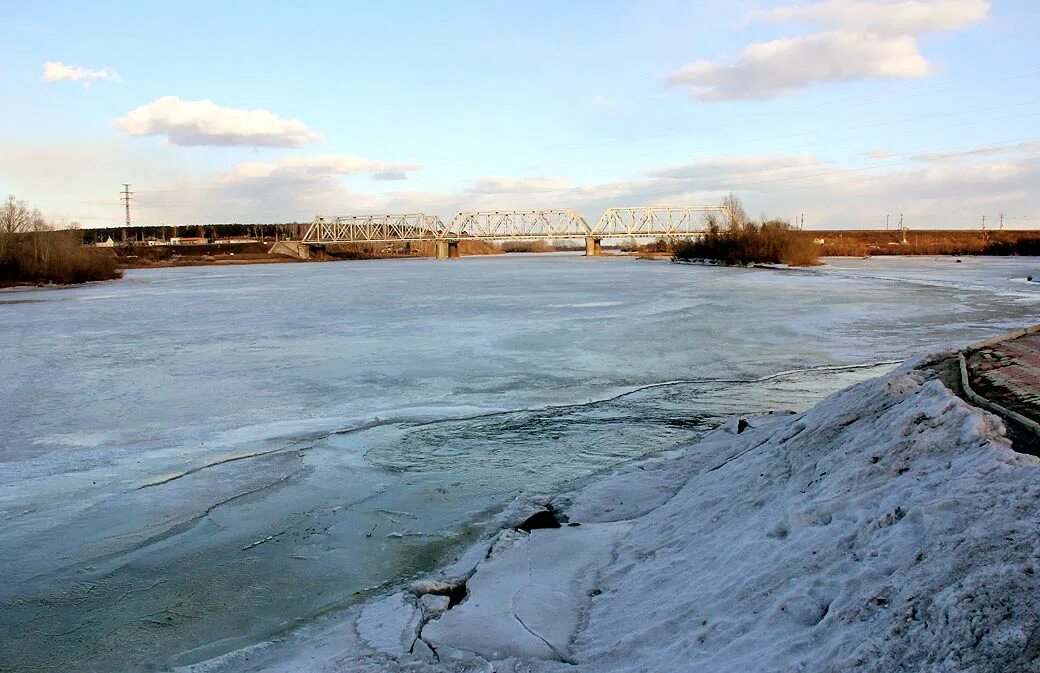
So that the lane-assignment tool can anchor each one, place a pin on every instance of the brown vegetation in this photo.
(923, 242)
(527, 246)
(406, 249)
(32, 252)
(736, 239)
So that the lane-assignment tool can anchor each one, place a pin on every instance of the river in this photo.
(194, 459)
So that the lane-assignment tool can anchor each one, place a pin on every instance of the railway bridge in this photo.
(508, 225)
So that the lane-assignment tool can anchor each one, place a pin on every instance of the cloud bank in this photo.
(203, 122)
(863, 41)
(892, 18)
(293, 188)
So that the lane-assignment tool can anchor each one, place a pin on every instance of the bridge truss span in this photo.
(551, 224)
(547, 224)
(652, 221)
(375, 228)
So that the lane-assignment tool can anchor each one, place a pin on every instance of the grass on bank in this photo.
(864, 243)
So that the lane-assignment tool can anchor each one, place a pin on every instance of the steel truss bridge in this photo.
(510, 225)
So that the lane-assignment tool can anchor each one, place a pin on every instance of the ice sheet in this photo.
(195, 459)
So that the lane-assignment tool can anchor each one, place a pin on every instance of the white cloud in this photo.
(56, 71)
(711, 169)
(500, 185)
(316, 168)
(203, 122)
(881, 154)
(769, 69)
(901, 17)
(1030, 147)
(864, 40)
(603, 102)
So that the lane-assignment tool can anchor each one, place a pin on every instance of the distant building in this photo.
(188, 240)
(107, 243)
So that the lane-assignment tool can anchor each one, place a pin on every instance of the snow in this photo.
(889, 528)
(525, 599)
(390, 624)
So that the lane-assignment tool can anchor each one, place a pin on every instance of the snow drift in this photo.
(889, 528)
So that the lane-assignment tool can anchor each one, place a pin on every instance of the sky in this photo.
(841, 113)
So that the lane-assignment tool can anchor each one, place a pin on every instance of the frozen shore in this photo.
(889, 528)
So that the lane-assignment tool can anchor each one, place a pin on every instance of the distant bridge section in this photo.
(652, 221)
(510, 225)
(517, 225)
(374, 229)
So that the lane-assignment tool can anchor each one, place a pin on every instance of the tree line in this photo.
(32, 251)
(211, 232)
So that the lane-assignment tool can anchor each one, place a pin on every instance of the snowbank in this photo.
(889, 528)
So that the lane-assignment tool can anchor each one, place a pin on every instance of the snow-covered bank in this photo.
(891, 527)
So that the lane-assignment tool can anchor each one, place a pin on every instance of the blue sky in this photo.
(844, 110)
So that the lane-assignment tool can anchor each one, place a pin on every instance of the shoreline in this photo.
(283, 259)
(579, 552)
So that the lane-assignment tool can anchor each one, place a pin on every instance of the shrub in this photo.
(526, 246)
(735, 239)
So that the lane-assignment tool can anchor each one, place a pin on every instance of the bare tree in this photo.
(15, 217)
(41, 246)
(736, 217)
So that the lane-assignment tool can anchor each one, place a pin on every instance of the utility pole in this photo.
(1002, 221)
(125, 198)
(886, 221)
(984, 223)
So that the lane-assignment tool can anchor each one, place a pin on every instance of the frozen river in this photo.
(197, 458)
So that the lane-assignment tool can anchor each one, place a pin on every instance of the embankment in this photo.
(923, 242)
(892, 527)
(259, 253)
(144, 257)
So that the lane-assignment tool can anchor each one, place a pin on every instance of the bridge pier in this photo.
(296, 249)
(592, 247)
(447, 249)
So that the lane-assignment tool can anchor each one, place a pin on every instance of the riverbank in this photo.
(861, 243)
(827, 243)
(890, 527)
(216, 254)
